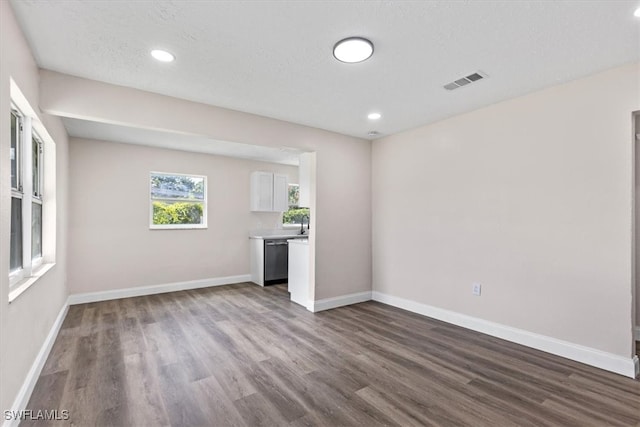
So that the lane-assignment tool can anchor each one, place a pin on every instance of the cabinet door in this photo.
(280, 193)
(262, 191)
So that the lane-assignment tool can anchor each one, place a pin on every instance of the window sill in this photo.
(26, 283)
(290, 226)
(178, 227)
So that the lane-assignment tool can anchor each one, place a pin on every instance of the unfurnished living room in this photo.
(320, 213)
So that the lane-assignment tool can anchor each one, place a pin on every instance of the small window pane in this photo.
(177, 187)
(13, 151)
(294, 194)
(15, 256)
(296, 216)
(36, 170)
(166, 213)
(36, 230)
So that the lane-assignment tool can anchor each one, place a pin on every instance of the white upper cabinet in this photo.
(262, 191)
(269, 192)
(280, 193)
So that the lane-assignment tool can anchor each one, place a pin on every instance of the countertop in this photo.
(279, 236)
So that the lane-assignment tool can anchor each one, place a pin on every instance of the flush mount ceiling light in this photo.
(162, 55)
(353, 49)
(637, 13)
(374, 116)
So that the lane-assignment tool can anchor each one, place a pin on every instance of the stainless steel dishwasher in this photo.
(276, 261)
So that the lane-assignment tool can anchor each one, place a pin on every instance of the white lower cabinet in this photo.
(256, 251)
(299, 271)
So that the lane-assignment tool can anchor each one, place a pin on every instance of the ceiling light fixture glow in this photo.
(353, 49)
(637, 13)
(162, 55)
(374, 116)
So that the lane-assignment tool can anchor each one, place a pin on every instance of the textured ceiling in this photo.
(274, 58)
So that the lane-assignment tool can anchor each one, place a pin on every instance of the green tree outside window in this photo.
(177, 199)
(295, 214)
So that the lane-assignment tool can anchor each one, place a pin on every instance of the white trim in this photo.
(202, 225)
(329, 303)
(627, 366)
(24, 394)
(637, 333)
(290, 226)
(16, 290)
(155, 289)
(178, 226)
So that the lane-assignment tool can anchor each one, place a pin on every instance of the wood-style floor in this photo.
(242, 355)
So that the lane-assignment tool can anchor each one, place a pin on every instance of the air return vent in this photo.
(471, 78)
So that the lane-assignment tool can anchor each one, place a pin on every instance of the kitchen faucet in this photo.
(302, 223)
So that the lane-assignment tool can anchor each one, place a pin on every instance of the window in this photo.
(15, 253)
(27, 185)
(295, 214)
(36, 199)
(178, 201)
(32, 246)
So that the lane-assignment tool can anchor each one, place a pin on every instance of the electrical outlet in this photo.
(476, 289)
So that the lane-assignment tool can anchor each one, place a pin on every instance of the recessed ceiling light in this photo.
(637, 13)
(374, 116)
(162, 55)
(353, 49)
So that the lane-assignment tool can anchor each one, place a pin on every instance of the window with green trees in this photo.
(295, 214)
(178, 201)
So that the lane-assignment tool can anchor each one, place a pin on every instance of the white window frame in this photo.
(25, 192)
(37, 197)
(18, 192)
(204, 202)
(33, 269)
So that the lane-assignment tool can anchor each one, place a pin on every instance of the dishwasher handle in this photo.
(276, 243)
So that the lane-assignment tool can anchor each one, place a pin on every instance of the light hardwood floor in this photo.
(242, 355)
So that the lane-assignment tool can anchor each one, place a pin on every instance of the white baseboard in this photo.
(155, 289)
(329, 303)
(627, 366)
(24, 394)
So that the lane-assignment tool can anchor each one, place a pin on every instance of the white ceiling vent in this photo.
(471, 78)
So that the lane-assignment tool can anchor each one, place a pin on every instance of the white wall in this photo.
(342, 215)
(110, 243)
(531, 197)
(25, 322)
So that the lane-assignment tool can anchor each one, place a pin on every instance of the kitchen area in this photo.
(282, 255)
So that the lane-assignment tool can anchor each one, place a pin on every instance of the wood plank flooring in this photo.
(242, 355)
